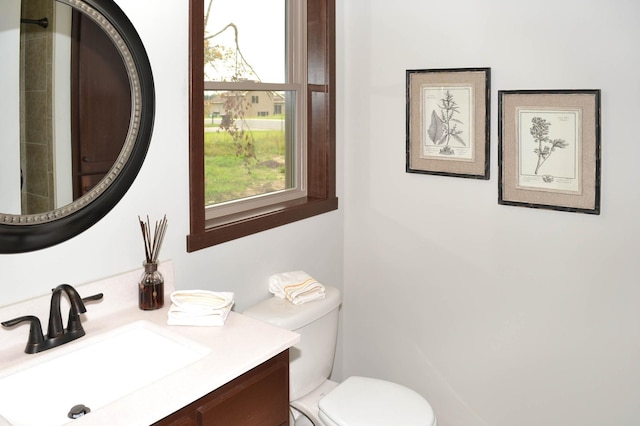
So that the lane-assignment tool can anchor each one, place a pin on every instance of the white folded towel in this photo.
(296, 286)
(199, 308)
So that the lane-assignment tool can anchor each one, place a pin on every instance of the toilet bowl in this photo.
(366, 401)
(316, 400)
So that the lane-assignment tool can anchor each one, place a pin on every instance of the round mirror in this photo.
(106, 100)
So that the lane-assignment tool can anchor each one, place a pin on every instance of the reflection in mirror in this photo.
(74, 103)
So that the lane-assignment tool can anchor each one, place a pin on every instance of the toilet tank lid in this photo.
(285, 314)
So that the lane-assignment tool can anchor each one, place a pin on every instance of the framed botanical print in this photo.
(448, 116)
(549, 149)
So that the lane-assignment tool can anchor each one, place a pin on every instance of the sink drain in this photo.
(78, 411)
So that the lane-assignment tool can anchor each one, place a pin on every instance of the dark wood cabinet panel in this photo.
(260, 397)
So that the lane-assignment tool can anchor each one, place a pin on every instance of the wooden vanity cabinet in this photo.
(259, 397)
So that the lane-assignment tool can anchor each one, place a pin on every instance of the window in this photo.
(303, 105)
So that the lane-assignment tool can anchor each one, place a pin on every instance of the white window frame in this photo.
(296, 82)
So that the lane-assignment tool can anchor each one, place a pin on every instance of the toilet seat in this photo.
(366, 401)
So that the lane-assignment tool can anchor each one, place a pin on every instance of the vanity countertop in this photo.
(238, 346)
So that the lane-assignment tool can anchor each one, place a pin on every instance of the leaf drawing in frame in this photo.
(447, 113)
(448, 122)
(444, 126)
(436, 129)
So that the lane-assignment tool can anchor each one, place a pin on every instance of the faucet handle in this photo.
(92, 297)
(74, 324)
(36, 338)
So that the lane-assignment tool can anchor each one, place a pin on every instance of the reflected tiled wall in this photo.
(36, 96)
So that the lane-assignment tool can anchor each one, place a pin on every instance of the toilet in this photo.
(316, 400)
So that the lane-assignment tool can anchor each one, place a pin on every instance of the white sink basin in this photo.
(93, 371)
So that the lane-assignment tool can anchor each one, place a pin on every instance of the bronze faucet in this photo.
(56, 334)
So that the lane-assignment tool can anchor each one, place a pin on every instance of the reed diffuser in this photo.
(151, 285)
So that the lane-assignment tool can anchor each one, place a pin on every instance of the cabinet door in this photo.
(260, 397)
(255, 399)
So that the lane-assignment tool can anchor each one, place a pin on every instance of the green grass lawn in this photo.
(227, 177)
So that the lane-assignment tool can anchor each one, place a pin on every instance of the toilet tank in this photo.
(311, 359)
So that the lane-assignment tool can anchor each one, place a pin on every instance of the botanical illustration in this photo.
(549, 147)
(447, 122)
(444, 124)
(545, 146)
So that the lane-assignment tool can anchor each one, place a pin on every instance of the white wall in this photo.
(114, 245)
(499, 315)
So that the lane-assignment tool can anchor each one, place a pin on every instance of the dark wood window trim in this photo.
(321, 147)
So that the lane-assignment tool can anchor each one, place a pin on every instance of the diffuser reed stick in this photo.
(153, 244)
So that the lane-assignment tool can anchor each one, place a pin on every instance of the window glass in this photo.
(249, 107)
(245, 40)
(247, 144)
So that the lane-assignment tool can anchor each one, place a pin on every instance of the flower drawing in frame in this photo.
(549, 149)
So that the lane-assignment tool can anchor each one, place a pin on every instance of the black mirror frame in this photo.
(20, 238)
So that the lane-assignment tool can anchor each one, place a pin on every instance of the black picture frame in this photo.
(549, 149)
